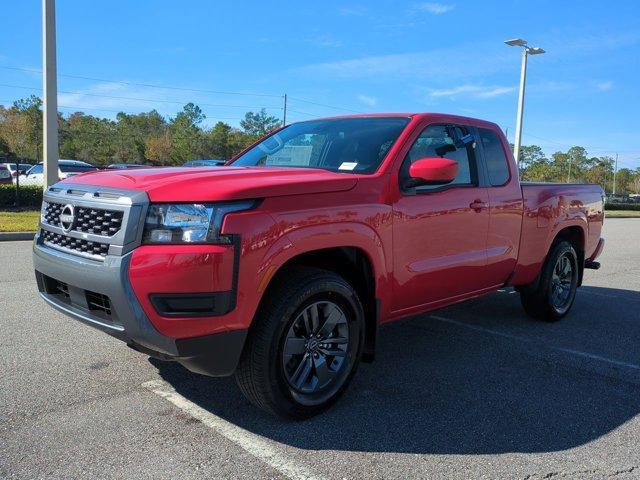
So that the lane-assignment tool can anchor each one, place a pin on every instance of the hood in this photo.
(218, 183)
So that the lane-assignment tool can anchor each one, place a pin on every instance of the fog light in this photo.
(161, 236)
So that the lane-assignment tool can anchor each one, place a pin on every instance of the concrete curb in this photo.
(14, 236)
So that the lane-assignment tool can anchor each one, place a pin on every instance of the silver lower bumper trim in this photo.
(73, 313)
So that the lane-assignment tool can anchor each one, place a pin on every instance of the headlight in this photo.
(43, 212)
(188, 223)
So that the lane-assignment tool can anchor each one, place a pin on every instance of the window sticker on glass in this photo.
(348, 166)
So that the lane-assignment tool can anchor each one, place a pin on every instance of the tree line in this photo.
(150, 138)
(576, 165)
(143, 138)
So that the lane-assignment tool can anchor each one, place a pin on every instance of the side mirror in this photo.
(432, 171)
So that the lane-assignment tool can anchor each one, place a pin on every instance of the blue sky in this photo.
(375, 56)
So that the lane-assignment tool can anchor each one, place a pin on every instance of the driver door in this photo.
(440, 232)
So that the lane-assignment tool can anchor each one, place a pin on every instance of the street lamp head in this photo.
(535, 50)
(519, 42)
(516, 42)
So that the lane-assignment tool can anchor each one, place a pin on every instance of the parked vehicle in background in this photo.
(5, 174)
(204, 163)
(122, 166)
(616, 198)
(280, 267)
(66, 169)
(9, 172)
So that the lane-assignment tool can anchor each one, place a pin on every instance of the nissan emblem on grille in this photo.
(67, 217)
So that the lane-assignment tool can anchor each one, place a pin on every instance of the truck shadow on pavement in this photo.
(441, 387)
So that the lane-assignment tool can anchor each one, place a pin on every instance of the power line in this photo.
(186, 89)
(589, 148)
(304, 113)
(151, 85)
(129, 112)
(342, 109)
(116, 97)
(152, 101)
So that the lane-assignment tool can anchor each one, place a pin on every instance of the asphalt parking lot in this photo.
(473, 391)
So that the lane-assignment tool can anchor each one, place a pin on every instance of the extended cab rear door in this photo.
(506, 205)
(440, 232)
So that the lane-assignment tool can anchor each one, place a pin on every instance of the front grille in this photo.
(88, 220)
(77, 245)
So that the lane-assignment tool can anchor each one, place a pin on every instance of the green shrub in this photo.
(30, 196)
(622, 206)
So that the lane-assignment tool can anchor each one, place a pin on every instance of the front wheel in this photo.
(304, 346)
(551, 296)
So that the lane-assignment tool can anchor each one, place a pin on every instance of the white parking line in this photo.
(591, 356)
(250, 442)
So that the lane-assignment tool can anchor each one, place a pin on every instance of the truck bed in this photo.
(549, 208)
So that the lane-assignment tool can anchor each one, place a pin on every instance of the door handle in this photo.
(477, 205)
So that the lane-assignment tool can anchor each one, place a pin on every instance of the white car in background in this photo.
(66, 168)
(8, 171)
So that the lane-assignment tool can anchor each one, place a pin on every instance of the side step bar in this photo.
(592, 265)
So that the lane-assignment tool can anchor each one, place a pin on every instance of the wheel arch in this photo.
(576, 236)
(355, 265)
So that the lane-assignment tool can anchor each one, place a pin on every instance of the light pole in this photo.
(50, 94)
(526, 51)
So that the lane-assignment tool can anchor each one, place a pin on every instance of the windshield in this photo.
(356, 145)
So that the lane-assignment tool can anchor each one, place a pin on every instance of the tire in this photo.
(285, 372)
(551, 295)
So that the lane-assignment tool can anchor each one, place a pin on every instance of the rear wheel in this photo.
(551, 296)
(305, 344)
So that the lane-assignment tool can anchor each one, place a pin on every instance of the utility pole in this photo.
(284, 116)
(615, 170)
(526, 51)
(569, 174)
(50, 93)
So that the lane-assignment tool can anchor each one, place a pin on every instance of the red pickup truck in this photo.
(279, 266)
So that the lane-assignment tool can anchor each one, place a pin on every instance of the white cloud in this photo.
(353, 11)
(113, 96)
(371, 101)
(435, 8)
(106, 99)
(551, 86)
(326, 40)
(431, 64)
(399, 27)
(572, 41)
(605, 86)
(473, 91)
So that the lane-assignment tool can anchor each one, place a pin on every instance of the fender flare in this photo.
(316, 237)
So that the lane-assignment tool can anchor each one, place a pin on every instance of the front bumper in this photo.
(99, 294)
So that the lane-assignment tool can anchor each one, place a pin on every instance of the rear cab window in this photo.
(495, 157)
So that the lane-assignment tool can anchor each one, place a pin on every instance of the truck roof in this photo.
(437, 117)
